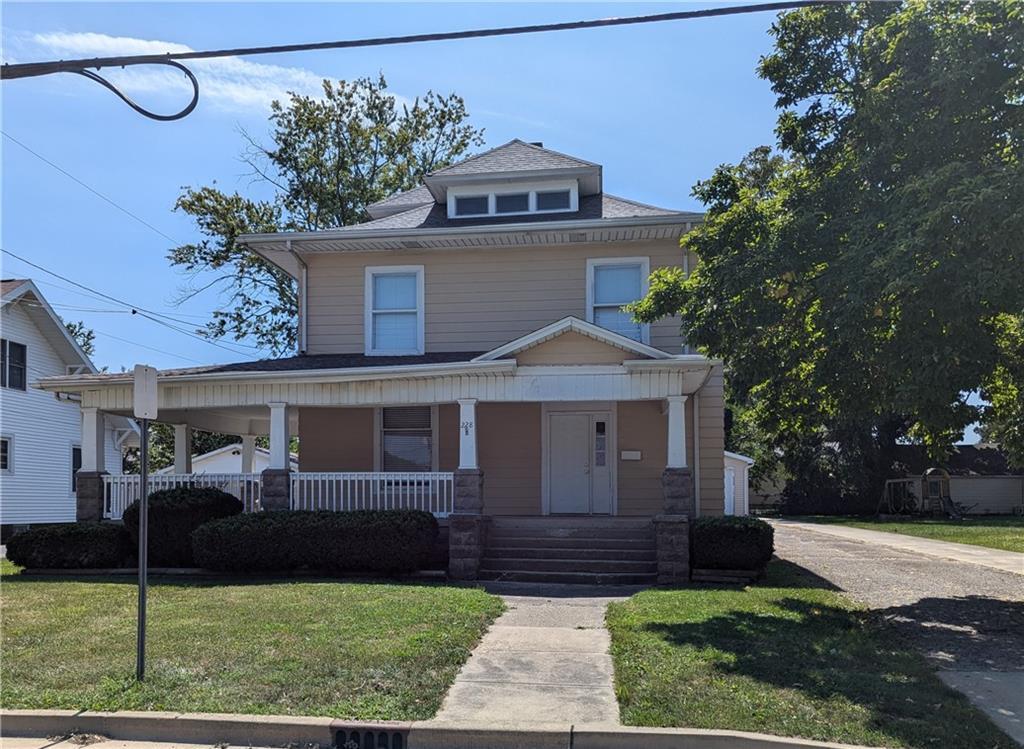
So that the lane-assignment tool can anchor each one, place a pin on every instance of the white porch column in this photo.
(279, 436)
(92, 440)
(248, 452)
(467, 434)
(182, 448)
(676, 431)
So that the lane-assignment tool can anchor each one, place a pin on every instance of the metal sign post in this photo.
(145, 408)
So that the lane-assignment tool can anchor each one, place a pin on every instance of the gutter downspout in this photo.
(303, 279)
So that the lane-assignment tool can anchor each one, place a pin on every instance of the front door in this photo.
(579, 463)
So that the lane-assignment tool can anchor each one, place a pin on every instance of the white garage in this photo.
(737, 483)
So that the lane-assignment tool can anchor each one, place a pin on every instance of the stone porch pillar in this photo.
(467, 525)
(275, 490)
(672, 527)
(89, 494)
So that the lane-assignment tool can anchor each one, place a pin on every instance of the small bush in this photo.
(731, 543)
(386, 541)
(71, 546)
(173, 515)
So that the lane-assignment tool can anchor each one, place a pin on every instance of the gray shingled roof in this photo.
(434, 216)
(514, 156)
(416, 196)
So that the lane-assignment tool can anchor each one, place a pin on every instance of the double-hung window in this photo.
(13, 365)
(612, 283)
(406, 439)
(394, 310)
(6, 454)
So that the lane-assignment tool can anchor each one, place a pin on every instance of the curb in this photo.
(283, 730)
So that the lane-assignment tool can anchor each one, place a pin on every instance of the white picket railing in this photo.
(344, 492)
(121, 490)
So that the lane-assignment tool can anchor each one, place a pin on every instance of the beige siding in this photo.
(711, 438)
(509, 453)
(476, 300)
(336, 439)
(572, 348)
(643, 426)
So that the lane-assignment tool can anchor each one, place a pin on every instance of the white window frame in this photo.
(368, 311)
(378, 436)
(10, 454)
(645, 273)
(530, 188)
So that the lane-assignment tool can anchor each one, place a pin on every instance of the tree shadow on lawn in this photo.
(826, 652)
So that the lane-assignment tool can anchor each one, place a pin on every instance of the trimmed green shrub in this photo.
(731, 543)
(71, 546)
(173, 515)
(385, 541)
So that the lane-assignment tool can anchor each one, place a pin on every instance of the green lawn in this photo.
(783, 657)
(1004, 532)
(349, 650)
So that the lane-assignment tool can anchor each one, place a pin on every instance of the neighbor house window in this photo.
(394, 310)
(406, 439)
(612, 283)
(13, 364)
(76, 466)
(559, 197)
(6, 454)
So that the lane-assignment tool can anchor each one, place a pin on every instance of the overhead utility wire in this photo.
(141, 311)
(85, 66)
(91, 189)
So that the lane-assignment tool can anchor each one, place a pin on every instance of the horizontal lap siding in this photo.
(475, 299)
(572, 348)
(335, 439)
(711, 435)
(643, 426)
(509, 455)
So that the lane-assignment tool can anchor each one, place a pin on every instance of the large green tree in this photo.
(866, 274)
(329, 158)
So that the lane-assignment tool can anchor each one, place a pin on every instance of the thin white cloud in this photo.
(230, 83)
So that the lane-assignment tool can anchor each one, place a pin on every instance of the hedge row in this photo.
(731, 543)
(71, 546)
(387, 541)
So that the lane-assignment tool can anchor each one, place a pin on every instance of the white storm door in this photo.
(569, 462)
(730, 491)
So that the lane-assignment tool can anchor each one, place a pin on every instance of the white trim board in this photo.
(575, 325)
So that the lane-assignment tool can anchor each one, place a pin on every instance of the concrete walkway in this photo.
(545, 660)
(1007, 561)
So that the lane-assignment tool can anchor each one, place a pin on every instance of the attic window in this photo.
(514, 200)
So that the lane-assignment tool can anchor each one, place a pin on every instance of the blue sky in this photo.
(658, 105)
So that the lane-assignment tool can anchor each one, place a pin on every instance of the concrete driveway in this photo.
(967, 619)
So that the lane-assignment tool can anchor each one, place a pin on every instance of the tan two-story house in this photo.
(465, 352)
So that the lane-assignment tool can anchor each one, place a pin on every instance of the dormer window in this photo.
(509, 200)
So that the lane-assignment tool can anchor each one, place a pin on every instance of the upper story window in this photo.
(394, 310)
(13, 365)
(507, 200)
(612, 283)
(6, 454)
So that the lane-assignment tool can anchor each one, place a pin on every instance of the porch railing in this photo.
(121, 490)
(344, 492)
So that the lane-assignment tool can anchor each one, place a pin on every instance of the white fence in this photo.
(343, 492)
(121, 490)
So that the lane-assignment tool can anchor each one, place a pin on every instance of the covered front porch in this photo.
(621, 430)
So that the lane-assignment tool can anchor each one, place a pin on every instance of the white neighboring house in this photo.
(737, 483)
(228, 459)
(41, 432)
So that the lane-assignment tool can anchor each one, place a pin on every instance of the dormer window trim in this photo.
(530, 189)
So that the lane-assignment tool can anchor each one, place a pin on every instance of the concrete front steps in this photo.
(575, 550)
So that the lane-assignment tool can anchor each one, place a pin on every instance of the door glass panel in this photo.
(600, 445)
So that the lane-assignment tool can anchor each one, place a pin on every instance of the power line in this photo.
(85, 66)
(91, 189)
(141, 311)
